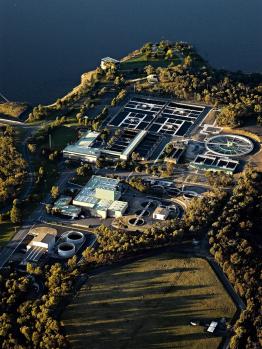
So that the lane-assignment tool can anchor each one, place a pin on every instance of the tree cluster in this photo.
(116, 244)
(12, 169)
(33, 323)
(236, 245)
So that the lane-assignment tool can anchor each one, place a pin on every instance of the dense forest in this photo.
(235, 239)
(12, 168)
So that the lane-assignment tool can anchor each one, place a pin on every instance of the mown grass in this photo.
(141, 62)
(149, 304)
(61, 136)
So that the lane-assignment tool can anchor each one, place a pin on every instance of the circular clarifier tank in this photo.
(143, 213)
(66, 249)
(148, 204)
(75, 237)
(229, 145)
(136, 221)
(190, 194)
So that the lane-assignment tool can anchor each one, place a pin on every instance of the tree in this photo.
(54, 192)
(15, 214)
(149, 70)
(169, 54)
(31, 147)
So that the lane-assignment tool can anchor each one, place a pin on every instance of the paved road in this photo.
(10, 248)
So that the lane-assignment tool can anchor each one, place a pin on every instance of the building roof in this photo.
(109, 60)
(62, 201)
(103, 205)
(70, 210)
(212, 327)
(161, 211)
(83, 145)
(118, 205)
(43, 230)
(43, 237)
(88, 194)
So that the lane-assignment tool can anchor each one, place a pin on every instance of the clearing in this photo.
(149, 304)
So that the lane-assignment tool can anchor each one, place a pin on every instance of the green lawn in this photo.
(149, 304)
(7, 231)
(61, 136)
(141, 61)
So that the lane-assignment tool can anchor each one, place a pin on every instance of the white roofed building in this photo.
(101, 197)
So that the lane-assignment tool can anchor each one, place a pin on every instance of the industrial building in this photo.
(42, 242)
(101, 197)
(82, 149)
(89, 149)
(62, 205)
(107, 62)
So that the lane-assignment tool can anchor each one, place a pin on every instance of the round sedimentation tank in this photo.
(75, 237)
(229, 145)
(188, 194)
(66, 249)
(136, 221)
(174, 191)
(142, 213)
(148, 204)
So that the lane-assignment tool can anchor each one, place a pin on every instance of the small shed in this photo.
(211, 328)
(161, 213)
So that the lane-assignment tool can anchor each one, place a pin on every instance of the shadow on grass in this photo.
(144, 306)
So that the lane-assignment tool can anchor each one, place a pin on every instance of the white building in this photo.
(117, 208)
(101, 197)
(43, 242)
(107, 61)
(212, 327)
(161, 213)
(83, 149)
(43, 237)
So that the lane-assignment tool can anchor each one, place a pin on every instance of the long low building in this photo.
(82, 149)
(101, 197)
(89, 149)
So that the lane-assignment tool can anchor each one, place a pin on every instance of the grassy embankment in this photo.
(149, 304)
(12, 109)
(7, 231)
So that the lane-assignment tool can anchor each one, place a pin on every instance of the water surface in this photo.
(46, 45)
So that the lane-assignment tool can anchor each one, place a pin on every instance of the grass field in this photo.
(13, 109)
(7, 231)
(148, 304)
(141, 61)
(61, 136)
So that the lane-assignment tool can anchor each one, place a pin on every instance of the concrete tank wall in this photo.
(75, 237)
(66, 249)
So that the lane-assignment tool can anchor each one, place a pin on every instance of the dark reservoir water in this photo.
(46, 44)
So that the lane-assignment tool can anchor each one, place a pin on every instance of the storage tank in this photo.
(66, 249)
(75, 237)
